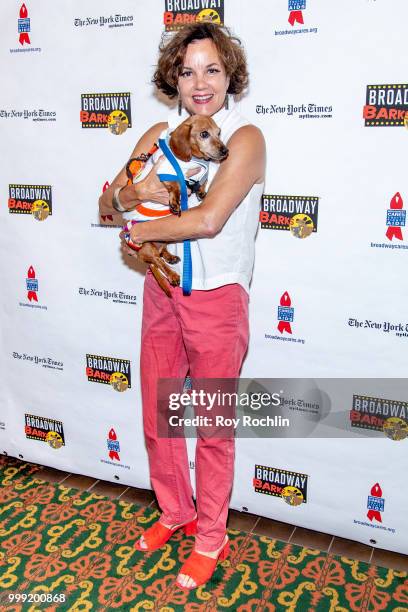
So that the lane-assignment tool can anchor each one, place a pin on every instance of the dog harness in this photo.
(167, 168)
(170, 170)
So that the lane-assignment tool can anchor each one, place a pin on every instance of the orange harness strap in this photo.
(149, 212)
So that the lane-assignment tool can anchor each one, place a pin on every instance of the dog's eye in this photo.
(205, 134)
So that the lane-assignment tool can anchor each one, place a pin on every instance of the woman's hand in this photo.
(150, 189)
(126, 250)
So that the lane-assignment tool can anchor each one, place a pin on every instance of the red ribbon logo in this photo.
(104, 217)
(285, 325)
(113, 454)
(32, 295)
(376, 491)
(295, 17)
(395, 231)
(24, 37)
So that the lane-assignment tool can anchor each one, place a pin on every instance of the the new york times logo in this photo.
(386, 105)
(112, 21)
(35, 114)
(295, 213)
(106, 110)
(290, 486)
(179, 12)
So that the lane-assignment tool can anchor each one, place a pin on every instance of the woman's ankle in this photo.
(171, 525)
(211, 552)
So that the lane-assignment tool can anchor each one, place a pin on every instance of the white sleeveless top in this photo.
(229, 256)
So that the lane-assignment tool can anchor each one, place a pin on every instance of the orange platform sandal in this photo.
(157, 535)
(200, 568)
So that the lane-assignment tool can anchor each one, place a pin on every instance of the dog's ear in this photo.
(180, 142)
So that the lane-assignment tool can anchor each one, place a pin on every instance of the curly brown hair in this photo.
(172, 53)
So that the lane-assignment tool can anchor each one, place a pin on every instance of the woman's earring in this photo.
(179, 106)
(226, 105)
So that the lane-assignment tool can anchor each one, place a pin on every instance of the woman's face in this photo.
(203, 82)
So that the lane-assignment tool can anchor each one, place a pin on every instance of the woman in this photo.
(206, 332)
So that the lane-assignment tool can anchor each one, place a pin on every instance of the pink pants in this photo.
(206, 333)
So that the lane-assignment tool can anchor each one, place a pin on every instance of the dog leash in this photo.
(187, 280)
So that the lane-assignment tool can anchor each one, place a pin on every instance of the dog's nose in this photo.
(223, 151)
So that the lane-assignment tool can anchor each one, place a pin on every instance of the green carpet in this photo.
(59, 543)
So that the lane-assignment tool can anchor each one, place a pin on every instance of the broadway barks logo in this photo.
(379, 414)
(179, 12)
(386, 106)
(44, 429)
(106, 110)
(109, 371)
(297, 214)
(290, 486)
(33, 200)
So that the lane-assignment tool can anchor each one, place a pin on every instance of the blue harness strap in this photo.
(187, 280)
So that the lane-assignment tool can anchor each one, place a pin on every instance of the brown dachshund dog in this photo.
(197, 138)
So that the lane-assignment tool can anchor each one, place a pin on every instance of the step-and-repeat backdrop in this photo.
(329, 89)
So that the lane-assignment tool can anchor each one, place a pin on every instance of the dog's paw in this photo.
(174, 280)
(176, 210)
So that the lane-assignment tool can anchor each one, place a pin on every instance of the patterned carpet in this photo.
(73, 550)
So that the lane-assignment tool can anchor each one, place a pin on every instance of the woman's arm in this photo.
(244, 167)
(130, 195)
